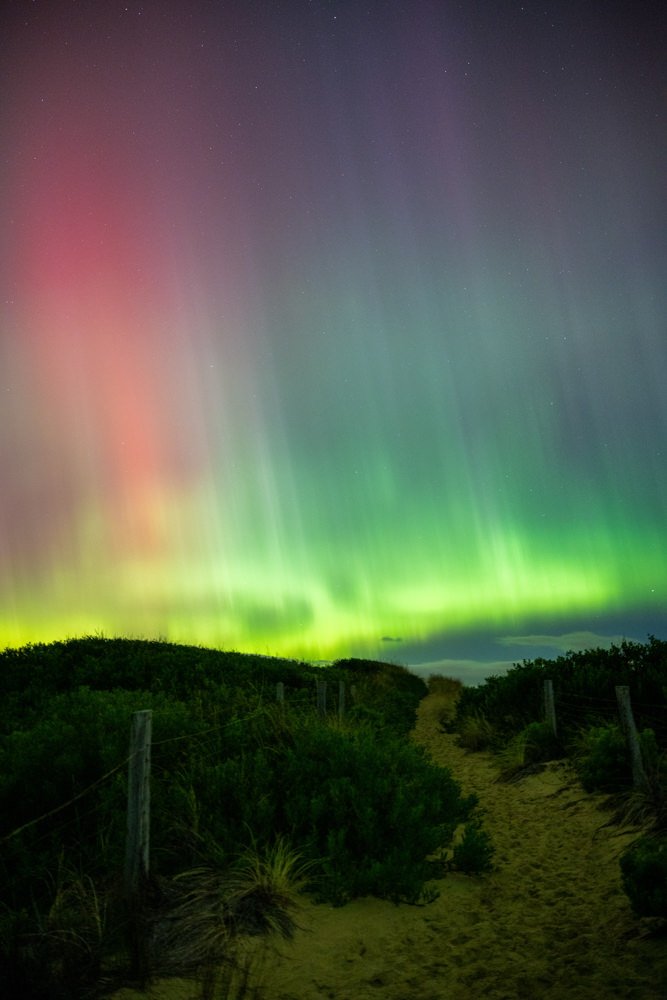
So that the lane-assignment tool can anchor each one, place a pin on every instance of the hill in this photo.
(259, 795)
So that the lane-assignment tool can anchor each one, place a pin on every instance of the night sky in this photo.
(334, 328)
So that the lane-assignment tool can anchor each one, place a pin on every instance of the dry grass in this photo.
(511, 759)
(206, 913)
(444, 693)
(262, 892)
(476, 732)
(69, 940)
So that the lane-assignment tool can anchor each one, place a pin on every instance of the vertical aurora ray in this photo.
(322, 329)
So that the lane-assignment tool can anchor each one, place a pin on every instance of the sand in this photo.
(551, 922)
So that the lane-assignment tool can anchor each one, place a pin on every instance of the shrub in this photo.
(474, 853)
(368, 810)
(512, 700)
(540, 743)
(508, 702)
(601, 759)
(644, 876)
(390, 691)
(366, 807)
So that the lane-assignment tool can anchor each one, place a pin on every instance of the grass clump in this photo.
(473, 854)
(201, 913)
(55, 950)
(476, 732)
(535, 744)
(262, 890)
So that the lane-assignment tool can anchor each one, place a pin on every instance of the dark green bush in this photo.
(586, 678)
(374, 808)
(601, 759)
(540, 743)
(507, 703)
(387, 691)
(474, 852)
(366, 808)
(644, 876)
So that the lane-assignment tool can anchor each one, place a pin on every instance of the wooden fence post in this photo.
(280, 693)
(138, 802)
(138, 841)
(550, 706)
(341, 700)
(321, 696)
(639, 779)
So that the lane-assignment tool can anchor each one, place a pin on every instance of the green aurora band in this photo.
(304, 355)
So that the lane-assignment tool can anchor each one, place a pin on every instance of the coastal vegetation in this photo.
(252, 799)
(261, 795)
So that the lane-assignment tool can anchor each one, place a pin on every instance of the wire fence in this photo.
(206, 741)
(74, 850)
(579, 711)
(573, 712)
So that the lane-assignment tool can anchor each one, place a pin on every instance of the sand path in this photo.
(550, 923)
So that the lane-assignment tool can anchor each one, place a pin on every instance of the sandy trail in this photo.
(551, 922)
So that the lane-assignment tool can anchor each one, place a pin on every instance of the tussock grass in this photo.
(207, 920)
(205, 909)
(262, 891)
(526, 751)
(239, 976)
(511, 759)
(476, 732)
(62, 943)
